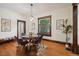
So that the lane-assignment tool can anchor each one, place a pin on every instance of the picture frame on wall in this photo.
(5, 25)
(59, 24)
(44, 25)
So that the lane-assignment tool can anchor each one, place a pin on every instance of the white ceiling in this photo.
(24, 8)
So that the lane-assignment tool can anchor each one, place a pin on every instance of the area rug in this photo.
(41, 49)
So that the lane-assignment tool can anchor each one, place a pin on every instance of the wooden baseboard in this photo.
(55, 41)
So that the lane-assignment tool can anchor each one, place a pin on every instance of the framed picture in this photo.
(59, 24)
(5, 25)
(44, 25)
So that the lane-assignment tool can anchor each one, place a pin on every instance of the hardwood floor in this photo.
(53, 49)
(8, 49)
(56, 49)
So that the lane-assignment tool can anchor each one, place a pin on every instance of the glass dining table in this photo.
(30, 38)
(30, 45)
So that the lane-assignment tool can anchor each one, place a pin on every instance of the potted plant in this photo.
(67, 28)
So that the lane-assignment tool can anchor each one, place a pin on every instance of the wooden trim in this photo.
(44, 17)
(75, 39)
(24, 26)
(55, 41)
(6, 41)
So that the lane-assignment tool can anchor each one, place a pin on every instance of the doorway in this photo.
(21, 28)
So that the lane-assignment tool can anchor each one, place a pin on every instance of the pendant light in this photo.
(31, 17)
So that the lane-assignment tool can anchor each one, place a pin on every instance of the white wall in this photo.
(62, 13)
(13, 16)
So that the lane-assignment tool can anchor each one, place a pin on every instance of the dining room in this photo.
(37, 29)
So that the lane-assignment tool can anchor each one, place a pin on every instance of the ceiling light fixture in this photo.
(31, 18)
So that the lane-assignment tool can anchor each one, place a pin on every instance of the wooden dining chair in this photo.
(37, 40)
(22, 42)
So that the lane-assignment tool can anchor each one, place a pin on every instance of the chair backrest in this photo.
(38, 39)
(22, 34)
(38, 34)
(21, 42)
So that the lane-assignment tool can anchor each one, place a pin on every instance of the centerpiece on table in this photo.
(30, 34)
